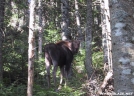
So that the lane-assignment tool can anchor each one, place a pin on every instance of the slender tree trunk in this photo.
(106, 34)
(2, 3)
(65, 20)
(106, 42)
(88, 39)
(122, 25)
(31, 52)
(78, 20)
(40, 30)
(79, 30)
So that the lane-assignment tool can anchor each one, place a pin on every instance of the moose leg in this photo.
(54, 73)
(48, 71)
(61, 77)
(66, 78)
(67, 70)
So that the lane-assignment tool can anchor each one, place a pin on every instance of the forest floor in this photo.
(80, 85)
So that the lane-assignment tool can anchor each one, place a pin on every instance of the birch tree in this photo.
(77, 15)
(106, 41)
(88, 39)
(31, 52)
(1, 34)
(122, 25)
(106, 34)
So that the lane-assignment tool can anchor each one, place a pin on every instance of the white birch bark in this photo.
(106, 34)
(31, 52)
(78, 20)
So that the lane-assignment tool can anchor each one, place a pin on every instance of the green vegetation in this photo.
(74, 87)
(15, 52)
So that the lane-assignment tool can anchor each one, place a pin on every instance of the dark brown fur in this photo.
(60, 54)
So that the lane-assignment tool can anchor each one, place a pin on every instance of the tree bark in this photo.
(78, 20)
(1, 34)
(40, 30)
(106, 34)
(88, 39)
(31, 52)
(65, 20)
(122, 25)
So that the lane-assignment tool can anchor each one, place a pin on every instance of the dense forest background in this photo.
(14, 34)
(15, 45)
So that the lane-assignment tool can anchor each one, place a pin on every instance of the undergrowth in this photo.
(75, 83)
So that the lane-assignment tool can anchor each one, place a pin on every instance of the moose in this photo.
(60, 54)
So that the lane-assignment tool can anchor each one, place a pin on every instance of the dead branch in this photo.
(107, 77)
(105, 82)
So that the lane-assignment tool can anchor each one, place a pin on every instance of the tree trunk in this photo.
(106, 34)
(78, 21)
(88, 39)
(122, 25)
(31, 52)
(65, 20)
(79, 30)
(40, 30)
(1, 34)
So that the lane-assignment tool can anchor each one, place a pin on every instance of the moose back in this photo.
(60, 54)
